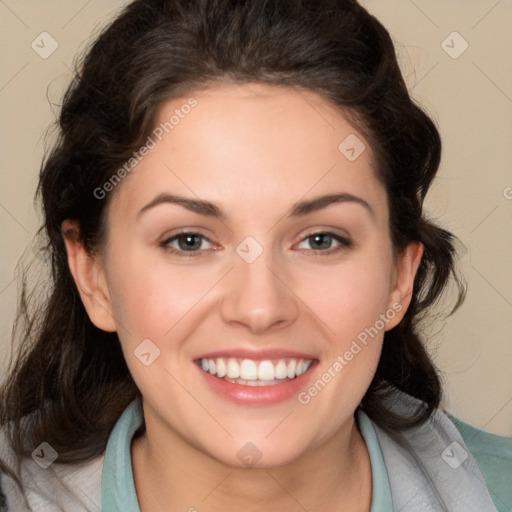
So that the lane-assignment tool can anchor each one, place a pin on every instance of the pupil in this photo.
(190, 242)
(322, 240)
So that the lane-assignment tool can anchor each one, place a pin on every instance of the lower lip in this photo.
(257, 395)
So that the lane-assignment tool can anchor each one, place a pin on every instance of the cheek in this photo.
(150, 296)
(349, 307)
(348, 299)
(351, 303)
(156, 301)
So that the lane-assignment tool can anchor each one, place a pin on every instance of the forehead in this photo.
(252, 144)
(291, 123)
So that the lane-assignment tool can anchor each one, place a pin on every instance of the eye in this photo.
(323, 242)
(193, 243)
(186, 242)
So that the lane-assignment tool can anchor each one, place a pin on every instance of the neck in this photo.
(171, 474)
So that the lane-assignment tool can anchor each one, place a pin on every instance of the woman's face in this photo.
(287, 268)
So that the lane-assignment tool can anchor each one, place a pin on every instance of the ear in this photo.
(88, 274)
(403, 281)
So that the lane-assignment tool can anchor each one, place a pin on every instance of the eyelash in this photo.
(344, 243)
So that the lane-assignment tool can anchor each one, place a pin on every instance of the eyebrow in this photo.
(299, 209)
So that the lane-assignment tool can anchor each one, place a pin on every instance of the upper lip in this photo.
(256, 354)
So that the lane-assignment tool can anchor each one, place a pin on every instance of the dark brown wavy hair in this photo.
(69, 380)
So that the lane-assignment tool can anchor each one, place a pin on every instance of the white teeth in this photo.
(266, 371)
(281, 370)
(256, 382)
(291, 368)
(302, 367)
(298, 371)
(255, 373)
(233, 369)
(248, 370)
(221, 368)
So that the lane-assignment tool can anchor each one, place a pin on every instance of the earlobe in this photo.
(88, 274)
(401, 293)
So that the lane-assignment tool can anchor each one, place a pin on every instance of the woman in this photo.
(240, 262)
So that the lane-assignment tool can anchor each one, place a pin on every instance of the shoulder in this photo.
(493, 455)
(50, 486)
(445, 461)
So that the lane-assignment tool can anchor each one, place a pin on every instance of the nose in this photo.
(258, 297)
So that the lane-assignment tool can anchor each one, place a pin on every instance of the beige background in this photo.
(470, 97)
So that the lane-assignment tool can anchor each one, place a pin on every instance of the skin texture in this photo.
(254, 150)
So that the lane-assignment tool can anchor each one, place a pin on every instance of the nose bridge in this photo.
(257, 296)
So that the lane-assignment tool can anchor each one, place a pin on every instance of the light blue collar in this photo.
(117, 486)
(381, 490)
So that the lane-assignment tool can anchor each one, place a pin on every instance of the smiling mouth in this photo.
(248, 372)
